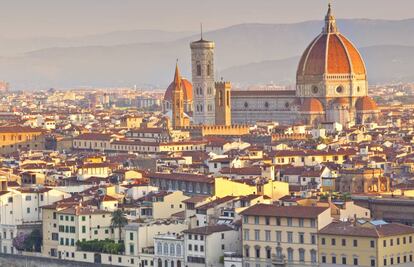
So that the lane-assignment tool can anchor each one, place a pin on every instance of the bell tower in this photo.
(177, 101)
(202, 68)
(223, 103)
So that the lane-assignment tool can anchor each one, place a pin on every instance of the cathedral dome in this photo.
(312, 105)
(366, 103)
(187, 88)
(330, 53)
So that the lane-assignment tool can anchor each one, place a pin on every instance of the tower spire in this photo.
(201, 31)
(177, 76)
(330, 21)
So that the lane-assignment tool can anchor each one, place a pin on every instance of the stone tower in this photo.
(223, 103)
(177, 101)
(202, 68)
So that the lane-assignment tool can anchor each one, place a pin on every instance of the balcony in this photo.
(278, 260)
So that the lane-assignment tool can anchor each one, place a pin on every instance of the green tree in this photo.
(119, 220)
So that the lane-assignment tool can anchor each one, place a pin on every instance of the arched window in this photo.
(290, 254)
(301, 255)
(165, 249)
(166, 263)
(313, 256)
(178, 248)
(159, 263)
(209, 69)
(220, 98)
(198, 68)
(172, 249)
(159, 248)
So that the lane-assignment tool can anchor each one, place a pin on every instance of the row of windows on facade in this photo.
(199, 107)
(20, 137)
(278, 237)
(279, 254)
(199, 91)
(355, 260)
(168, 249)
(18, 146)
(372, 242)
(184, 186)
(278, 221)
(199, 69)
(266, 105)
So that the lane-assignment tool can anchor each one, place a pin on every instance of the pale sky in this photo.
(64, 18)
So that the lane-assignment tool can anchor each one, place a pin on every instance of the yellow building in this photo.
(131, 122)
(274, 189)
(14, 138)
(282, 236)
(361, 243)
(168, 203)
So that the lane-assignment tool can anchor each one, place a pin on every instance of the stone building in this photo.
(331, 86)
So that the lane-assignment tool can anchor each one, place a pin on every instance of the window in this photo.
(290, 237)
(290, 254)
(334, 259)
(372, 262)
(267, 220)
(301, 222)
(256, 219)
(301, 238)
(313, 256)
(246, 234)
(343, 242)
(257, 235)
(131, 236)
(28, 198)
(323, 241)
(268, 253)
(257, 252)
(267, 235)
(313, 239)
(372, 243)
(384, 243)
(278, 221)
(355, 243)
(343, 260)
(333, 241)
(301, 255)
(355, 261)
(198, 68)
(289, 221)
(323, 259)
(245, 219)
(278, 236)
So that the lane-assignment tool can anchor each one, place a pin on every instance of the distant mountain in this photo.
(245, 53)
(10, 47)
(385, 63)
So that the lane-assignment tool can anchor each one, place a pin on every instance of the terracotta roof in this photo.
(207, 230)
(366, 103)
(330, 53)
(187, 88)
(383, 230)
(281, 211)
(255, 93)
(312, 105)
(182, 177)
(94, 136)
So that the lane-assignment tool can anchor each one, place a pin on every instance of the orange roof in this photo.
(366, 103)
(331, 53)
(312, 105)
(187, 88)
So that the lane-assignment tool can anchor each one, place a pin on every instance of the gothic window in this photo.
(228, 98)
(220, 98)
(209, 69)
(339, 89)
(358, 89)
(198, 68)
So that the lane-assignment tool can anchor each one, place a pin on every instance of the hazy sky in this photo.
(23, 18)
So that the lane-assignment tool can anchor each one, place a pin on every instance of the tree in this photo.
(119, 220)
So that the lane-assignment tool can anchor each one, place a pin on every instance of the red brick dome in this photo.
(330, 53)
(366, 103)
(187, 88)
(312, 105)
